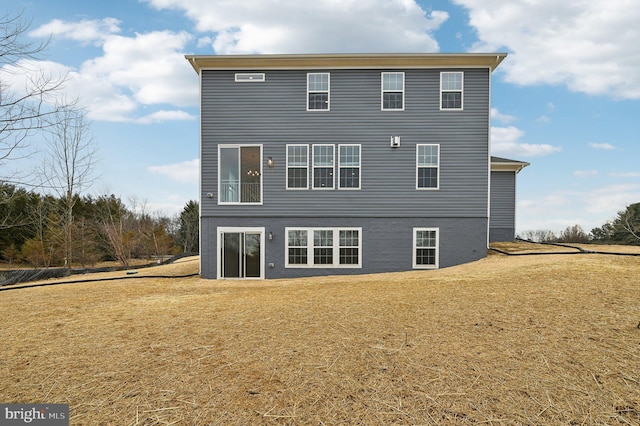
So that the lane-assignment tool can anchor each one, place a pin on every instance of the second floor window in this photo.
(392, 91)
(451, 88)
(349, 166)
(428, 166)
(239, 174)
(317, 91)
(297, 167)
(323, 166)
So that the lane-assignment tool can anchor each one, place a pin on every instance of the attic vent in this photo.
(250, 77)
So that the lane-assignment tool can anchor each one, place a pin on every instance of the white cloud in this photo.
(507, 141)
(187, 171)
(589, 45)
(294, 26)
(163, 115)
(557, 210)
(625, 174)
(141, 70)
(503, 118)
(602, 146)
(544, 119)
(583, 174)
(85, 30)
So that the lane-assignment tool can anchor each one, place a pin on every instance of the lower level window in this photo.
(323, 247)
(425, 248)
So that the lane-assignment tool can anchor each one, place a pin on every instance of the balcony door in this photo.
(241, 253)
(240, 174)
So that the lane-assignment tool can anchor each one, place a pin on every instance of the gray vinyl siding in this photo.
(273, 113)
(386, 243)
(503, 201)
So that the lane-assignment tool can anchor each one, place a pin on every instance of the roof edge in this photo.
(499, 164)
(345, 60)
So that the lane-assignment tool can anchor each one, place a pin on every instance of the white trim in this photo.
(359, 167)
(418, 167)
(415, 249)
(250, 77)
(328, 91)
(382, 91)
(310, 247)
(287, 167)
(238, 146)
(453, 91)
(333, 167)
(241, 229)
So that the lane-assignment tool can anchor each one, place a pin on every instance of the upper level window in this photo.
(428, 166)
(297, 166)
(239, 174)
(392, 91)
(250, 77)
(323, 166)
(318, 91)
(425, 248)
(451, 89)
(349, 166)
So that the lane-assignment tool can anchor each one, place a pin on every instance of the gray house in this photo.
(348, 164)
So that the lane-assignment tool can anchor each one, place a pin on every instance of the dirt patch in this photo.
(506, 340)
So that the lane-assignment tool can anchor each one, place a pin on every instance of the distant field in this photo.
(551, 339)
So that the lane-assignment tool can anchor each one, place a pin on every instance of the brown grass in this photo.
(507, 340)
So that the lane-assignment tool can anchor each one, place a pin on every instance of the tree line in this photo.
(38, 229)
(624, 229)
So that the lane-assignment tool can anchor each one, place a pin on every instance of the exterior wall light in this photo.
(270, 161)
(271, 235)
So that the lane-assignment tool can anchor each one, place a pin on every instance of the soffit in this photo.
(347, 61)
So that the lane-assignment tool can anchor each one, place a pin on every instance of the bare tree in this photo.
(69, 164)
(27, 100)
(23, 110)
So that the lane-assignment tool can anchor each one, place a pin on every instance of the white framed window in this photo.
(318, 84)
(323, 166)
(428, 166)
(323, 248)
(297, 166)
(349, 166)
(239, 174)
(250, 77)
(451, 90)
(426, 248)
(392, 91)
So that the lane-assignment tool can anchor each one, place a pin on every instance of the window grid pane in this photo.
(452, 81)
(297, 240)
(426, 247)
(323, 247)
(427, 155)
(427, 177)
(451, 100)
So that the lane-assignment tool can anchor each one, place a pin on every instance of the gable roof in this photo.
(499, 164)
(350, 61)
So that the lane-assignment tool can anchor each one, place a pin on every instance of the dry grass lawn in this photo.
(526, 340)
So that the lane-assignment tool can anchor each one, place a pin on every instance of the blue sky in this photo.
(566, 99)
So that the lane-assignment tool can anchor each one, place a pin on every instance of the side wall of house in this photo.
(503, 206)
(388, 206)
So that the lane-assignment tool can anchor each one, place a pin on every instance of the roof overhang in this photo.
(347, 61)
(506, 165)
